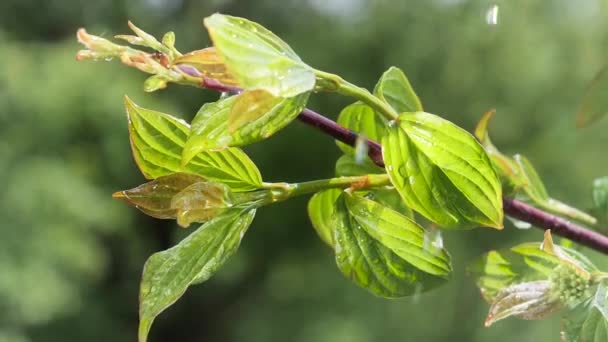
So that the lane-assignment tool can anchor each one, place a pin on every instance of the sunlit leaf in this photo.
(530, 300)
(209, 63)
(321, 208)
(394, 88)
(257, 58)
(240, 120)
(385, 254)
(201, 202)
(158, 140)
(442, 172)
(594, 104)
(390, 198)
(361, 118)
(168, 274)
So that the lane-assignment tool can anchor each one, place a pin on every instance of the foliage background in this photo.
(71, 257)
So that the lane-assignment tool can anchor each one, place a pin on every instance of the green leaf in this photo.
(594, 104)
(257, 58)
(241, 120)
(600, 198)
(157, 142)
(390, 198)
(362, 119)
(442, 172)
(395, 89)
(588, 322)
(168, 274)
(383, 251)
(346, 166)
(321, 208)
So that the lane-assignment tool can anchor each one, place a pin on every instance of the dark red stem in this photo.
(512, 207)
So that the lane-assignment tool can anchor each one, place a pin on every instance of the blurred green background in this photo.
(71, 257)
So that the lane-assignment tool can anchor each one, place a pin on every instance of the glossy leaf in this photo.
(168, 274)
(362, 119)
(321, 209)
(388, 197)
(241, 120)
(389, 259)
(201, 202)
(154, 198)
(158, 140)
(186, 197)
(530, 300)
(594, 104)
(154, 83)
(442, 172)
(395, 89)
(257, 58)
(209, 63)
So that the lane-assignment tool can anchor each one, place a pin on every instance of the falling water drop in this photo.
(492, 15)
(224, 95)
(361, 149)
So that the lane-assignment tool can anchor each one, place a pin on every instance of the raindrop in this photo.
(361, 149)
(224, 95)
(108, 59)
(492, 15)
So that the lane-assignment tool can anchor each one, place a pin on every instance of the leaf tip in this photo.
(119, 195)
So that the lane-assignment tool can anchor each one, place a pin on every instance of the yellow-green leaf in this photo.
(442, 172)
(158, 140)
(395, 89)
(209, 63)
(257, 58)
(241, 120)
(362, 119)
(321, 209)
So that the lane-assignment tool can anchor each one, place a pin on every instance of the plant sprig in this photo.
(368, 214)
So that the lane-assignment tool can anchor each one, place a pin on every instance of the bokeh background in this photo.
(71, 257)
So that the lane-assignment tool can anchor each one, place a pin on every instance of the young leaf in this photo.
(182, 196)
(361, 118)
(600, 198)
(395, 89)
(526, 262)
(594, 104)
(240, 120)
(158, 140)
(257, 58)
(346, 166)
(531, 300)
(209, 63)
(168, 274)
(154, 198)
(201, 202)
(321, 209)
(380, 256)
(442, 172)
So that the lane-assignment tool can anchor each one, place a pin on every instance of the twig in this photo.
(512, 207)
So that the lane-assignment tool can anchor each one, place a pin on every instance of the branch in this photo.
(512, 207)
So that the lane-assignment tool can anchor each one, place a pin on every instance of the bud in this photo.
(182, 196)
(531, 300)
(209, 64)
